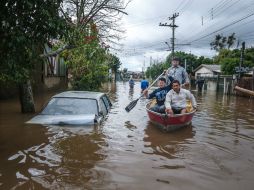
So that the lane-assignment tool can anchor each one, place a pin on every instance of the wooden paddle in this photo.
(132, 104)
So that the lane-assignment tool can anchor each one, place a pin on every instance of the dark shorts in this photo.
(157, 108)
(177, 110)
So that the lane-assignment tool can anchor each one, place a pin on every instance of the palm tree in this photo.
(231, 40)
(216, 44)
(220, 42)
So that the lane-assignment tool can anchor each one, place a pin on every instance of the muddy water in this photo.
(128, 152)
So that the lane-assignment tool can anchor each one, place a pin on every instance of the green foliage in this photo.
(114, 62)
(192, 62)
(220, 42)
(249, 54)
(156, 69)
(26, 25)
(229, 59)
(87, 63)
(228, 65)
(24, 28)
(88, 70)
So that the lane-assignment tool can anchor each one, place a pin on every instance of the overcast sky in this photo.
(145, 39)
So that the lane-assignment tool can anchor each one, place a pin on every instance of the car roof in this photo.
(79, 94)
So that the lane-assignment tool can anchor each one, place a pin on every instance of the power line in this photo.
(200, 40)
(184, 5)
(180, 4)
(213, 10)
(246, 7)
(219, 5)
(239, 34)
(226, 8)
(223, 27)
(145, 21)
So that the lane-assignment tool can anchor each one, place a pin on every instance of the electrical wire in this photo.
(228, 25)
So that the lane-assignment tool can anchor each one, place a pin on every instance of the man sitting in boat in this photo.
(176, 99)
(159, 94)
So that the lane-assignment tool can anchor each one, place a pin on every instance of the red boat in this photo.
(169, 122)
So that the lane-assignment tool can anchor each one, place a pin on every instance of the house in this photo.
(134, 74)
(53, 70)
(207, 71)
(49, 73)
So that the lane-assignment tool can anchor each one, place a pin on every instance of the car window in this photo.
(103, 107)
(70, 106)
(107, 102)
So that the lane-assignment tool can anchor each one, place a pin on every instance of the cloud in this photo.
(144, 38)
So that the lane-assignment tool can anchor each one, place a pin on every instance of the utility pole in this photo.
(241, 59)
(173, 26)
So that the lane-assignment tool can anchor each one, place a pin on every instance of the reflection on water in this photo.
(129, 152)
(131, 91)
(167, 145)
(68, 157)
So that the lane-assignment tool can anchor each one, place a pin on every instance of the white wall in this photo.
(211, 85)
(203, 72)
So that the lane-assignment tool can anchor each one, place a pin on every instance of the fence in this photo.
(226, 84)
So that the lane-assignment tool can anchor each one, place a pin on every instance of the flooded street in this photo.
(128, 152)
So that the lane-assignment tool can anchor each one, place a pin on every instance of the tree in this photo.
(220, 42)
(87, 63)
(231, 40)
(192, 62)
(94, 23)
(228, 65)
(229, 59)
(156, 69)
(82, 15)
(25, 27)
(114, 62)
(81, 25)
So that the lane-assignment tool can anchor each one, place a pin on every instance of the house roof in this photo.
(215, 68)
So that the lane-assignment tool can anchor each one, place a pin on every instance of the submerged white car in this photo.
(74, 108)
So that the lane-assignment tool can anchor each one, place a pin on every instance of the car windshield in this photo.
(70, 106)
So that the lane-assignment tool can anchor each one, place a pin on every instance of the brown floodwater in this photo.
(127, 151)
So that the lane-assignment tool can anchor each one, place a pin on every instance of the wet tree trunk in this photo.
(26, 97)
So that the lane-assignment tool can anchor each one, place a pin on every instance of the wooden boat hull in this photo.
(167, 122)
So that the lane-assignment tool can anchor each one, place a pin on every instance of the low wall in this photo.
(50, 83)
(246, 83)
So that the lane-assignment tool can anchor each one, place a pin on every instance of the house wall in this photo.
(203, 72)
(211, 85)
(54, 70)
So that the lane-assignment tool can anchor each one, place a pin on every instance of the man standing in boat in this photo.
(159, 94)
(178, 73)
(176, 99)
